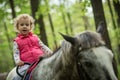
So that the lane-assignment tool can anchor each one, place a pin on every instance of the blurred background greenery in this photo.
(53, 16)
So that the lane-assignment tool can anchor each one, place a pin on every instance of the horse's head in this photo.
(94, 60)
(96, 64)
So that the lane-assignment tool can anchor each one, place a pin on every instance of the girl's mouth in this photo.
(24, 30)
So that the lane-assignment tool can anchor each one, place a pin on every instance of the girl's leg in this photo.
(22, 71)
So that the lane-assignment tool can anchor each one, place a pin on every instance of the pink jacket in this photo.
(29, 48)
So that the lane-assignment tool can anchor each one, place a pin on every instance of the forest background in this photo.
(53, 16)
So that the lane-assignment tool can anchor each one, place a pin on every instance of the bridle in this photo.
(80, 68)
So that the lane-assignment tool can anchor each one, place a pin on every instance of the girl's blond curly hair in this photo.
(17, 19)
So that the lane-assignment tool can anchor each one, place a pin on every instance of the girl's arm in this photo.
(16, 54)
(46, 50)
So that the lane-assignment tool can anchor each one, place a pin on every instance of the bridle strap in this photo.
(82, 73)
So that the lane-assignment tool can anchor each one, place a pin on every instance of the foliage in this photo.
(118, 72)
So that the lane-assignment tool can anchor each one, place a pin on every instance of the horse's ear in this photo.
(100, 28)
(68, 38)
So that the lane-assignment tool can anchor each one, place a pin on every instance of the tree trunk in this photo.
(63, 16)
(8, 37)
(9, 42)
(116, 4)
(111, 12)
(12, 8)
(52, 28)
(42, 29)
(51, 25)
(99, 17)
(34, 9)
(70, 22)
(100, 21)
(65, 23)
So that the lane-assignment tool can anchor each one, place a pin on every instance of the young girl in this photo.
(27, 47)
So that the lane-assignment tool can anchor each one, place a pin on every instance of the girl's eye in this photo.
(21, 24)
(27, 24)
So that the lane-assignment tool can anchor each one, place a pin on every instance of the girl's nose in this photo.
(24, 25)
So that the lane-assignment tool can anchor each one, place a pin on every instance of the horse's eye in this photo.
(88, 64)
(79, 63)
(80, 48)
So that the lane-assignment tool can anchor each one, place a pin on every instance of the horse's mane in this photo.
(89, 39)
(56, 50)
(65, 44)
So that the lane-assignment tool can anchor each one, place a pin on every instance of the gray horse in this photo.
(82, 57)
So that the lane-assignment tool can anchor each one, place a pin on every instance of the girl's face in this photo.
(24, 26)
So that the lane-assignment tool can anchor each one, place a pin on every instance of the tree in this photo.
(70, 22)
(12, 8)
(51, 24)
(98, 18)
(41, 23)
(63, 16)
(116, 4)
(100, 21)
(34, 8)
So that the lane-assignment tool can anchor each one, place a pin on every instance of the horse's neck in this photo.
(61, 59)
(60, 65)
(64, 62)
(65, 59)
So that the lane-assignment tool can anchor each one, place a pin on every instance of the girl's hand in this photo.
(21, 63)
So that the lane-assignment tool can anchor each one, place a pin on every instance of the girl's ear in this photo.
(31, 26)
(32, 23)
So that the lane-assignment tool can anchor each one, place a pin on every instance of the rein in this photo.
(80, 68)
